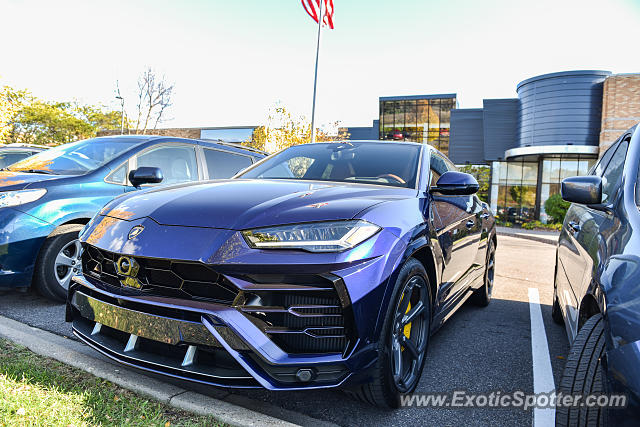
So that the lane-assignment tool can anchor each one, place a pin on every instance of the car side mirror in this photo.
(585, 190)
(145, 175)
(456, 183)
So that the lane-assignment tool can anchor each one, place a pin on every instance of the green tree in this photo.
(556, 208)
(11, 101)
(41, 122)
(482, 174)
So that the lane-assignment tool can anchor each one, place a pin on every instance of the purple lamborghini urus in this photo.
(324, 265)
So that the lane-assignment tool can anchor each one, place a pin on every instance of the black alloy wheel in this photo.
(403, 341)
(410, 334)
(482, 296)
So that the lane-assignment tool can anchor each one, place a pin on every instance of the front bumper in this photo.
(283, 320)
(208, 343)
(21, 237)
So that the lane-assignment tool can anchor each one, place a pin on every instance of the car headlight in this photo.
(332, 236)
(20, 197)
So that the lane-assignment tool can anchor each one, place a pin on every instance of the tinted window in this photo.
(374, 163)
(613, 173)
(76, 158)
(439, 165)
(10, 157)
(177, 163)
(222, 164)
(604, 160)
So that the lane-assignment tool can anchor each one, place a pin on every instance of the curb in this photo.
(78, 355)
(540, 239)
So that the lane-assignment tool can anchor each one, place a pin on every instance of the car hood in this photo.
(240, 204)
(18, 180)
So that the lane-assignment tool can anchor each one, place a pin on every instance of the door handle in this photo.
(470, 223)
(574, 226)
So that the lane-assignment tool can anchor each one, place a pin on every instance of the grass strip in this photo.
(37, 391)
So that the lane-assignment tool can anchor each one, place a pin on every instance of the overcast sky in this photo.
(231, 60)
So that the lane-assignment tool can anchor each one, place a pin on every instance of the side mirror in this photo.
(456, 183)
(145, 175)
(585, 190)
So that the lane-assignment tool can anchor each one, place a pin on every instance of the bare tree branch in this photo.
(154, 97)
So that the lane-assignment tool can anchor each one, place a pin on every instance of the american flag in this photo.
(313, 7)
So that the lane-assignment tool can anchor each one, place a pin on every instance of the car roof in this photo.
(18, 145)
(377, 141)
(368, 141)
(162, 138)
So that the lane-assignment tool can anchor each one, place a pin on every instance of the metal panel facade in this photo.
(364, 133)
(561, 108)
(500, 127)
(467, 136)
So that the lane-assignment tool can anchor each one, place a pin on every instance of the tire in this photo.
(385, 389)
(50, 267)
(583, 375)
(482, 295)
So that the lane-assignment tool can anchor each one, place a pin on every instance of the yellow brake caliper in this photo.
(407, 327)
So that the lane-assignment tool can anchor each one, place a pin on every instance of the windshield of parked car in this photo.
(76, 158)
(372, 163)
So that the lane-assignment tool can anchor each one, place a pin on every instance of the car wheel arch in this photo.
(589, 307)
(422, 251)
(426, 258)
(80, 221)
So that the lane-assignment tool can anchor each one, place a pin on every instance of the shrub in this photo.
(556, 208)
(503, 223)
(532, 225)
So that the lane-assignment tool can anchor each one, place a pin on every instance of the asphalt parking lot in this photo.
(478, 350)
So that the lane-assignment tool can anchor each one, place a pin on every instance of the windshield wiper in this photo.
(38, 171)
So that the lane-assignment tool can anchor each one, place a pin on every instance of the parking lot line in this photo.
(542, 373)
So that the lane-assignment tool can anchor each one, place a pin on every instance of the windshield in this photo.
(76, 158)
(372, 163)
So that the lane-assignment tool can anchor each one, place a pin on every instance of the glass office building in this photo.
(517, 185)
(420, 118)
(551, 131)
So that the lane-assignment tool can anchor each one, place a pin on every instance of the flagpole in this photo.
(315, 78)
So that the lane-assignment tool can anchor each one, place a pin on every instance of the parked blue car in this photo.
(325, 265)
(47, 198)
(596, 287)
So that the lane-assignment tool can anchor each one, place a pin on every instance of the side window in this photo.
(177, 163)
(11, 157)
(438, 167)
(118, 176)
(604, 160)
(223, 164)
(613, 173)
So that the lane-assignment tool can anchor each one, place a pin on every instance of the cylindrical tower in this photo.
(561, 108)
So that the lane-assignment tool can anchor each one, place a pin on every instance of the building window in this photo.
(514, 195)
(513, 191)
(554, 170)
(418, 120)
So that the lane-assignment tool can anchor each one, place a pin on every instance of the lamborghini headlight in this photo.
(20, 197)
(331, 236)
